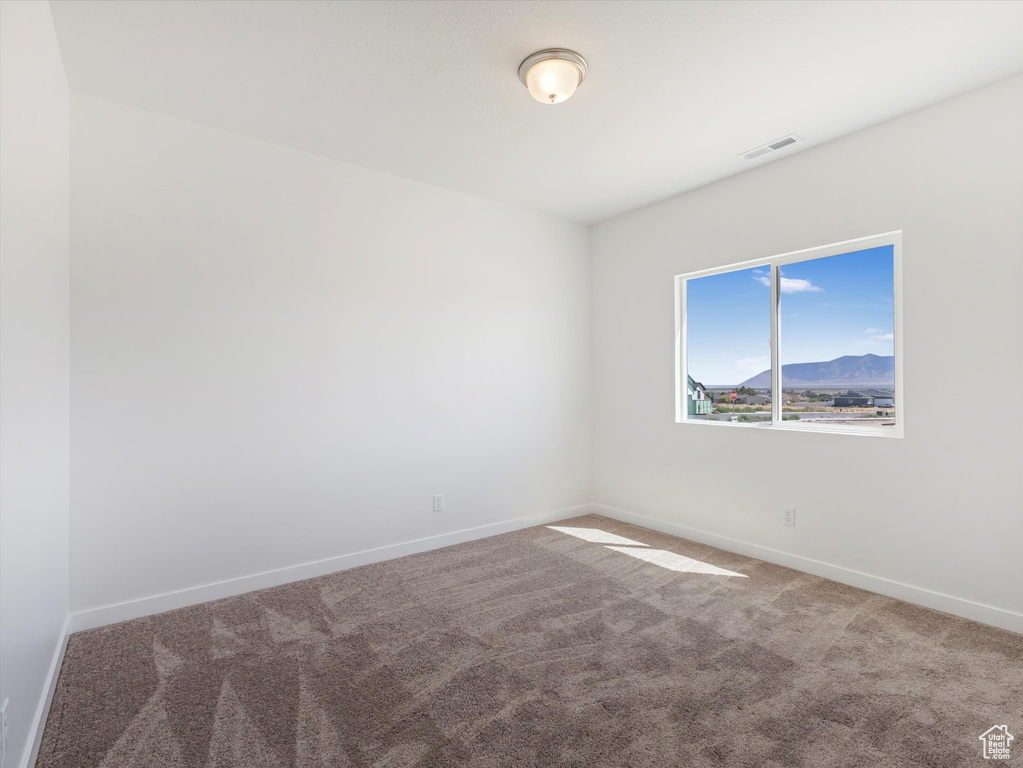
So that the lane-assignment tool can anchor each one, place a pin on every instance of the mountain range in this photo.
(846, 371)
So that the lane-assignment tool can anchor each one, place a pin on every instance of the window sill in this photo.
(834, 429)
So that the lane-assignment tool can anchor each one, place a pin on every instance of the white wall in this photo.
(942, 509)
(34, 359)
(280, 358)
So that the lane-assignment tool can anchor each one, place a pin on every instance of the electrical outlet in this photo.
(3, 730)
(789, 518)
(438, 503)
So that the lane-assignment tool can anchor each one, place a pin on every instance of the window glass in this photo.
(728, 331)
(837, 352)
(833, 364)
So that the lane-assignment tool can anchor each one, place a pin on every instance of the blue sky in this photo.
(839, 305)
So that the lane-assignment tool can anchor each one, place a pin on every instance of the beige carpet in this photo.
(592, 643)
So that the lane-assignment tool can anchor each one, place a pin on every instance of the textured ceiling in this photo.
(428, 90)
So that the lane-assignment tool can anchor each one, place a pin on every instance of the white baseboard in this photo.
(110, 614)
(168, 601)
(987, 614)
(35, 734)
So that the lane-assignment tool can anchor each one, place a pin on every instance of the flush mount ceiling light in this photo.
(552, 75)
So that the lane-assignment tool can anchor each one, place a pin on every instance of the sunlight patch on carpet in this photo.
(596, 535)
(675, 562)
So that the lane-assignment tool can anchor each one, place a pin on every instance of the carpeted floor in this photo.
(588, 643)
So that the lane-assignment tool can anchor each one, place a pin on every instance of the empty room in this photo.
(540, 383)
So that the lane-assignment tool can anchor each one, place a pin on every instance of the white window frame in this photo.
(775, 263)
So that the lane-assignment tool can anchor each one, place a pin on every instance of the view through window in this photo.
(729, 332)
(833, 350)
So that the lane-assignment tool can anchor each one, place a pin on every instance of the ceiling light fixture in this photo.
(552, 75)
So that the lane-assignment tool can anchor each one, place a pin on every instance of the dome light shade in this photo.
(552, 75)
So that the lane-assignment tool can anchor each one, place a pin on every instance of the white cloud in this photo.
(795, 285)
(759, 271)
(879, 334)
(791, 285)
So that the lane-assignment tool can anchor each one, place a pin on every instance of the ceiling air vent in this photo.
(774, 146)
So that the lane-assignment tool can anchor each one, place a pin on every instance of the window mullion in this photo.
(681, 352)
(775, 345)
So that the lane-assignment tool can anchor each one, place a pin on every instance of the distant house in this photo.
(699, 401)
(792, 397)
(851, 399)
(880, 398)
(755, 399)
